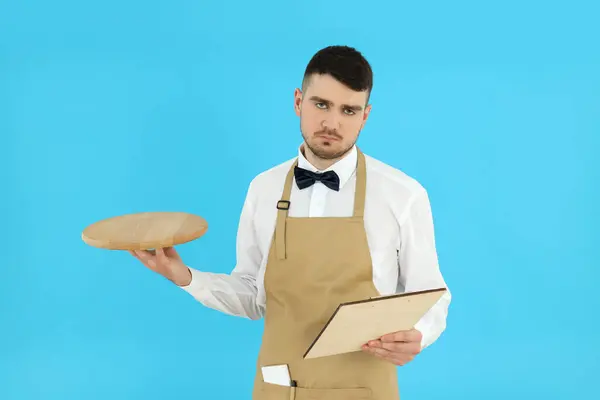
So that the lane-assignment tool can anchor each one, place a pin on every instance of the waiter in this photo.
(328, 226)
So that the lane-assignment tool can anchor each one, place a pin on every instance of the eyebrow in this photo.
(322, 100)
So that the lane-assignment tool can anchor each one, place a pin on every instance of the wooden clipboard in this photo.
(355, 323)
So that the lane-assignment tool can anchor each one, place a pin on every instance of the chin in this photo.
(327, 149)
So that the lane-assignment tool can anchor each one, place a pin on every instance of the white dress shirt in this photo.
(398, 222)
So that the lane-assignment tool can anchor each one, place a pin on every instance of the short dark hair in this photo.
(345, 64)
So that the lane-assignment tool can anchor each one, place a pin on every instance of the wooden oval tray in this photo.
(145, 230)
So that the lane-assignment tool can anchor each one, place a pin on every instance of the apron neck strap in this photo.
(361, 185)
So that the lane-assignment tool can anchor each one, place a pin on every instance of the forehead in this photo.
(328, 88)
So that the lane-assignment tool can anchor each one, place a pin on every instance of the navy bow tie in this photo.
(306, 178)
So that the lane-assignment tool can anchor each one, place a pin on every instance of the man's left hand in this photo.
(398, 348)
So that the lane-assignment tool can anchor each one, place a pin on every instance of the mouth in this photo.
(326, 137)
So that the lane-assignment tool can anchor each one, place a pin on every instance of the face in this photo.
(331, 116)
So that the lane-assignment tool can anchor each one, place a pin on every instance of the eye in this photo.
(349, 111)
(321, 105)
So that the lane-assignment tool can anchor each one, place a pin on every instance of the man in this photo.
(328, 226)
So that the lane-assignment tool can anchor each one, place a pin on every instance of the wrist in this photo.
(185, 279)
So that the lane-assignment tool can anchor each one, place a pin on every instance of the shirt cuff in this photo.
(197, 284)
(421, 326)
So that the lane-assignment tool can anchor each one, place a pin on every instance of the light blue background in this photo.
(115, 107)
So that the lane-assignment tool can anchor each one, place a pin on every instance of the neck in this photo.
(320, 163)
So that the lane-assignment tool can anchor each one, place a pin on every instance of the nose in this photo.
(331, 121)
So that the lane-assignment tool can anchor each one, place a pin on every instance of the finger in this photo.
(170, 252)
(412, 335)
(147, 258)
(401, 360)
(411, 348)
(377, 351)
(415, 336)
(144, 253)
(384, 354)
(394, 358)
(160, 255)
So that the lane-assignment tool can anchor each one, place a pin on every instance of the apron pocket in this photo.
(276, 392)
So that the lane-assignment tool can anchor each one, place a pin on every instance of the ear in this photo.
(298, 101)
(366, 116)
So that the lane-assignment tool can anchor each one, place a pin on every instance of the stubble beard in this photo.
(324, 153)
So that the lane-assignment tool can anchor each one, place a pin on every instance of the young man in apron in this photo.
(329, 226)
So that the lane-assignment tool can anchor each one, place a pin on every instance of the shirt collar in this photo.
(344, 167)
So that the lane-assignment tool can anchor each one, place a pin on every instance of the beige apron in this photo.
(314, 264)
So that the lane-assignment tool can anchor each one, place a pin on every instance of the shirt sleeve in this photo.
(419, 267)
(235, 293)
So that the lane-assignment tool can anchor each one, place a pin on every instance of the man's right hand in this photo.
(165, 262)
